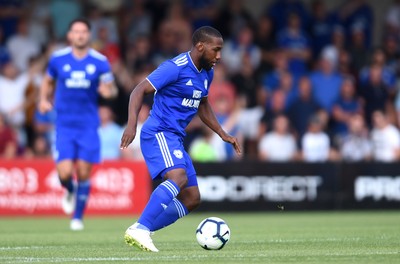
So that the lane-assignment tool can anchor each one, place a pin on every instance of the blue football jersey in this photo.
(179, 86)
(77, 82)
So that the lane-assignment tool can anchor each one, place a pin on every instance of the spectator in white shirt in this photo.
(278, 145)
(315, 142)
(385, 139)
(22, 47)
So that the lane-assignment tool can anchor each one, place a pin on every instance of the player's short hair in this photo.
(80, 20)
(203, 34)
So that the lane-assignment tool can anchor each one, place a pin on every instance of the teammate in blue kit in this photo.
(180, 88)
(78, 74)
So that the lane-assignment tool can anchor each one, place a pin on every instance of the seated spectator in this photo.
(388, 75)
(278, 145)
(251, 105)
(357, 13)
(345, 107)
(237, 48)
(326, 83)
(358, 48)
(295, 44)
(231, 16)
(279, 10)
(315, 143)
(271, 80)
(303, 108)
(8, 140)
(356, 145)
(374, 93)
(321, 26)
(207, 147)
(13, 85)
(385, 139)
(265, 39)
(22, 47)
(276, 108)
(110, 134)
(40, 148)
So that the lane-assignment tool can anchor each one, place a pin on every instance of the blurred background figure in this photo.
(207, 147)
(303, 107)
(8, 140)
(385, 139)
(296, 44)
(279, 145)
(22, 47)
(110, 133)
(356, 145)
(242, 45)
(326, 82)
(315, 144)
(346, 106)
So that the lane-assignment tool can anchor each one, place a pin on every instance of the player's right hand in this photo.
(44, 106)
(127, 137)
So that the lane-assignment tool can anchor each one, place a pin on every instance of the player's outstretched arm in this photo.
(135, 103)
(207, 115)
(46, 90)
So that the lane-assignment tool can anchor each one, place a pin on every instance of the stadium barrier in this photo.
(31, 187)
(255, 186)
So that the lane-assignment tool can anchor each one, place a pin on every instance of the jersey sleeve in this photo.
(164, 75)
(106, 75)
(51, 68)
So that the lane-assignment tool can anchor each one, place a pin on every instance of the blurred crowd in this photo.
(299, 82)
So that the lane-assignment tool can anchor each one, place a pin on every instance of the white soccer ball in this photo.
(213, 233)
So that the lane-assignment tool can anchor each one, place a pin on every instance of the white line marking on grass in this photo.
(165, 258)
(27, 248)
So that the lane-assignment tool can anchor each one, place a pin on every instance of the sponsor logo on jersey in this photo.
(189, 83)
(77, 80)
(190, 103)
(196, 94)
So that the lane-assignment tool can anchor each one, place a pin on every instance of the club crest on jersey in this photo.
(205, 84)
(66, 67)
(90, 68)
(178, 153)
(196, 94)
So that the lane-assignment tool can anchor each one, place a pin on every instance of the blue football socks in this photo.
(82, 195)
(159, 200)
(68, 184)
(173, 212)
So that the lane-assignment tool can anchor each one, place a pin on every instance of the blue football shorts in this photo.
(77, 144)
(164, 151)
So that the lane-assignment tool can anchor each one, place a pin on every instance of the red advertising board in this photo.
(31, 187)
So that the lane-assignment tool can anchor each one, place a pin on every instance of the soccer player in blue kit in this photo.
(180, 88)
(78, 74)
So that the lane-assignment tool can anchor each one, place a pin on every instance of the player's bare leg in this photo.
(65, 169)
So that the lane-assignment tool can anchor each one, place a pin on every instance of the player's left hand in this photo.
(234, 142)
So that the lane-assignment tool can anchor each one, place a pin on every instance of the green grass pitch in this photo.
(285, 237)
